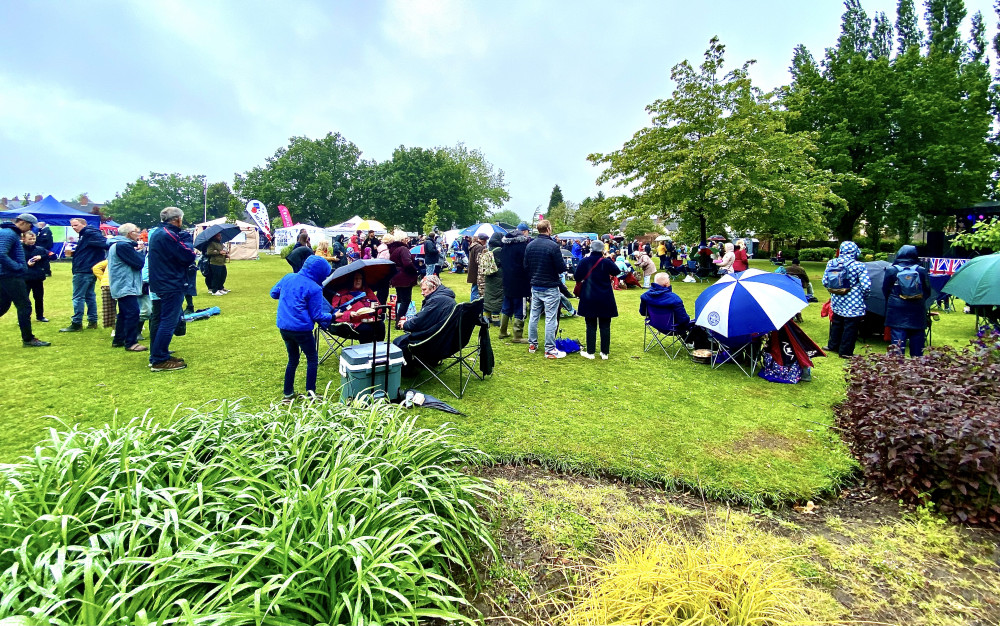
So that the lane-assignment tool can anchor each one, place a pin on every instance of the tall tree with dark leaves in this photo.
(944, 19)
(555, 198)
(907, 26)
(718, 153)
(142, 200)
(882, 37)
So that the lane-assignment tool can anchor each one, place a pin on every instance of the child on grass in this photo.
(301, 305)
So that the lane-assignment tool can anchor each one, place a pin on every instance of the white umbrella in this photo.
(749, 302)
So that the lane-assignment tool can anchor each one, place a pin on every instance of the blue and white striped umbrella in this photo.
(749, 302)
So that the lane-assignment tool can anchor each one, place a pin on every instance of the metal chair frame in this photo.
(465, 357)
(752, 351)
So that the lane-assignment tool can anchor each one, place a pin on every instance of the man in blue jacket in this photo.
(170, 254)
(906, 308)
(12, 268)
(543, 260)
(89, 251)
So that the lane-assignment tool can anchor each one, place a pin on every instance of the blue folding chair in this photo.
(662, 331)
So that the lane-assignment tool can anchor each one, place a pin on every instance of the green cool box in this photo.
(359, 373)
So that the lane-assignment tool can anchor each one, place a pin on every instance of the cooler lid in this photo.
(361, 354)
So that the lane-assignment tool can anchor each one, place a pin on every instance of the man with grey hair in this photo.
(90, 250)
(125, 274)
(438, 304)
(170, 254)
(13, 265)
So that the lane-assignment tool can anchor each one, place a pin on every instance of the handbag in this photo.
(181, 329)
(578, 288)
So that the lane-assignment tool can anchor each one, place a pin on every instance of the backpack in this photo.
(837, 278)
(487, 264)
(203, 265)
(908, 280)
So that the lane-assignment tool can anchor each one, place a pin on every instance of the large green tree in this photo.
(142, 200)
(555, 198)
(485, 185)
(594, 215)
(317, 179)
(718, 153)
(506, 216)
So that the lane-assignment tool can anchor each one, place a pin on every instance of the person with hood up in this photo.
(516, 282)
(661, 299)
(406, 273)
(300, 307)
(907, 289)
(297, 257)
(646, 266)
(339, 252)
(726, 264)
(13, 265)
(125, 285)
(849, 307)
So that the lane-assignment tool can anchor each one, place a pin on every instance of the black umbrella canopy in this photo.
(875, 302)
(229, 232)
(373, 270)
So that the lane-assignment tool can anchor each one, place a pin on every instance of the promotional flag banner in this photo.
(258, 213)
(286, 217)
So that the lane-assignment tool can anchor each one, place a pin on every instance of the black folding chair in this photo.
(449, 347)
(662, 331)
(332, 340)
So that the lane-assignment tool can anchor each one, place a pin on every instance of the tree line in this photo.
(892, 130)
(327, 181)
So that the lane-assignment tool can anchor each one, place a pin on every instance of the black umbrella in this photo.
(875, 302)
(566, 253)
(228, 231)
(373, 270)
(430, 402)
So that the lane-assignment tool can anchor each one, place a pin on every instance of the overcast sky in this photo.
(95, 94)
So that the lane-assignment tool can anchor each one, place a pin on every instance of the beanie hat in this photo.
(597, 246)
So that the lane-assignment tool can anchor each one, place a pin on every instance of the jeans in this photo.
(295, 341)
(513, 306)
(13, 291)
(145, 308)
(475, 292)
(83, 294)
(566, 304)
(645, 281)
(432, 269)
(36, 288)
(548, 298)
(843, 334)
(170, 313)
(605, 325)
(127, 324)
(915, 337)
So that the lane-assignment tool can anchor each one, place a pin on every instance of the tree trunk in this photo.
(704, 229)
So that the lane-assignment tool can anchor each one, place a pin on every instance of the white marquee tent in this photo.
(286, 236)
(244, 247)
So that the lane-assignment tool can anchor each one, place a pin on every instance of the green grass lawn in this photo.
(638, 415)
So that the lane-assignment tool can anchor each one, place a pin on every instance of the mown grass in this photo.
(638, 415)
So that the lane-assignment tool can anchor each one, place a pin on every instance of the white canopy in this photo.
(286, 236)
(348, 227)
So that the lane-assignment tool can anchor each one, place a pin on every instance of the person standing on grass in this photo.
(644, 264)
(170, 255)
(597, 298)
(406, 273)
(45, 239)
(125, 273)
(37, 259)
(543, 261)
(848, 306)
(13, 265)
(90, 250)
(741, 262)
(475, 250)
(301, 306)
(432, 256)
(215, 282)
(516, 282)
(907, 289)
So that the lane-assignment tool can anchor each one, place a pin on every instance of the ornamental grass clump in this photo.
(655, 578)
(928, 429)
(321, 514)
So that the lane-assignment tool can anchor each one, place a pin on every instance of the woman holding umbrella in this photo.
(215, 281)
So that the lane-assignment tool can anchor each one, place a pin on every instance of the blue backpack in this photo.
(837, 278)
(908, 280)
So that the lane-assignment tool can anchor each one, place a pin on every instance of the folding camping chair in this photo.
(701, 274)
(663, 332)
(332, 340)
(449, 347)
(744, 352)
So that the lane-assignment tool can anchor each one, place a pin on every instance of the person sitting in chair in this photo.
(355, 305)
(438, 304)
(661, 296)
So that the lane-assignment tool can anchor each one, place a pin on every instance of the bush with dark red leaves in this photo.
(928, 429)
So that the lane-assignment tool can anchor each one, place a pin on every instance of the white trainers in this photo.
(604, 357)
(586, 355)
(555, 354)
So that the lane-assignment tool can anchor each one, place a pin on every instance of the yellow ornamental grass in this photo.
(660, 580)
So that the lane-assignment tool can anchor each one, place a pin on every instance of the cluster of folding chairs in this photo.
(660, 330)
(432, 358)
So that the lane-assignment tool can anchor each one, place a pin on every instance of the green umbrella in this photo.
(977, 282)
